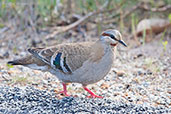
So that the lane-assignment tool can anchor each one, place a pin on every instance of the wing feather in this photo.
(43, 54)
(73, 55)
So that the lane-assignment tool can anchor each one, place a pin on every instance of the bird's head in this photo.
(112, 37)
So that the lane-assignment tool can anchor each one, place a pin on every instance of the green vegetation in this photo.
(164, 45)
(144, 36)
(10, 66)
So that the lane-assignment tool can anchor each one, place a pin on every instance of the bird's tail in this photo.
(31, 62)
(23, 61)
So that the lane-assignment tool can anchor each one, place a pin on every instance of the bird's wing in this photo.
(43, 54)
(65, 57)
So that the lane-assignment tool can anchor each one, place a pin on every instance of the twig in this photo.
(162, 9)
(141, 6)
(66, 28)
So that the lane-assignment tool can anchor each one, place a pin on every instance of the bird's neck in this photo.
(106, 44)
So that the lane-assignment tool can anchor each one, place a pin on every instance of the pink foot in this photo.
(92, 95)
(65, 90)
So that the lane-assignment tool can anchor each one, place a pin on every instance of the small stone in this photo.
(120, 73)
(104, 86)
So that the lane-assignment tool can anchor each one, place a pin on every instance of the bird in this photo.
(82, 62)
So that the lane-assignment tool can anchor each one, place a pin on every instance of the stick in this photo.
(164, 8)
(66, 28)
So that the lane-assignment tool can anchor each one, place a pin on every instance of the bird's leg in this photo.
(64, 89)
(92, 95)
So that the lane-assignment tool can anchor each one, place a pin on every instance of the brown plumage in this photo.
(85, 62)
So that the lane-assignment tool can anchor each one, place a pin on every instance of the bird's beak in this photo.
(122, 42)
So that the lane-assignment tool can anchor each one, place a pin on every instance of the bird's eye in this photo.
(113, 37)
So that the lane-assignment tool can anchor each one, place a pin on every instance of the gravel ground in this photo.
(34, 101)
(139, 81)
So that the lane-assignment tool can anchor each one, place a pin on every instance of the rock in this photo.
(154, 25)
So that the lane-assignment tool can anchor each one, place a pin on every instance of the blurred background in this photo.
(145, 26)
(28, 23)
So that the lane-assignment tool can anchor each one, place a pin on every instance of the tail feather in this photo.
(23, 61)
(27, 61)
(15, 62)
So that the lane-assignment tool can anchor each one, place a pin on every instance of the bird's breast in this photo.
(92, 72)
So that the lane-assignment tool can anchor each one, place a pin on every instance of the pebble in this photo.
(120, 73)
(34, 101)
